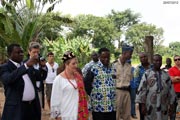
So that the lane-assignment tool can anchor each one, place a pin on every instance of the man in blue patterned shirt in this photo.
(100, 86)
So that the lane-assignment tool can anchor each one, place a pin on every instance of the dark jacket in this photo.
(11, 77)
(43, 75)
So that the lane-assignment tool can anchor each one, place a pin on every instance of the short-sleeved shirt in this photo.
(103, 94)
(174, 71)
(52, 72)
(123, 74)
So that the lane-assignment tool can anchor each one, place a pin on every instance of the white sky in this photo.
(156, 12)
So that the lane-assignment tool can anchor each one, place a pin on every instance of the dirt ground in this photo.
(46, 112)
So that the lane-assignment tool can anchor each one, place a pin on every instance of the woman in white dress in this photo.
(68, 100)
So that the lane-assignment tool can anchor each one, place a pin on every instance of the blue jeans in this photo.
(133, 97)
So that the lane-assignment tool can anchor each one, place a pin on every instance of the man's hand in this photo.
(42, 63)
(177, 78)
(33, 60)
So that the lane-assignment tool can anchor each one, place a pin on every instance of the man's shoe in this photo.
(134, 116)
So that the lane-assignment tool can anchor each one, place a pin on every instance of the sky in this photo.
(162, 13)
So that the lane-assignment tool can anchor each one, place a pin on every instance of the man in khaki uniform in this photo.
(123, 77)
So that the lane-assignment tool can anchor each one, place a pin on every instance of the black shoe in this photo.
(134, 116)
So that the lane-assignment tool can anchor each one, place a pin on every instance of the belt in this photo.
(28, 102)
(126, 88)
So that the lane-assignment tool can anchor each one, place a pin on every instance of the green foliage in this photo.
(122, 21)
(135, 35)
(174, 48)
(22, 21)
(30, 4)
(18, 25)
(79, 45)
(100, 29)
(8, 33)
(52, 25)
(19, 21)
(164, 51)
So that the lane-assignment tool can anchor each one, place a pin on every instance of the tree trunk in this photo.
(148, 47)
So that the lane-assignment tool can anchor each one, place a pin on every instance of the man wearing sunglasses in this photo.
(174, 73)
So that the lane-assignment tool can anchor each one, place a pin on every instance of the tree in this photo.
(122, 21)
(53, 24)
(8, 33)
(165, 51)
(101, 29)
(19, 20)
(136, 33)
(175, 48)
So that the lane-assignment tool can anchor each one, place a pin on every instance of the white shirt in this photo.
(29, 92)
(52, 72)
(64, 99)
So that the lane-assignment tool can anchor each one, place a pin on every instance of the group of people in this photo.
(115, 89)
(108, 91)
(23, 82)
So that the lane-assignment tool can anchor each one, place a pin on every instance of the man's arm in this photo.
(9, 76)
(174, 78)
(85, 69)
(136, 76)
(88, 80)
(142, 90)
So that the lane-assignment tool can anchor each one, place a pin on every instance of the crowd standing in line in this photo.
(112, 89)
(52, 67)
(155, 92)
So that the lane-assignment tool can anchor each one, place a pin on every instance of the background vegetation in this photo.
(23, 21)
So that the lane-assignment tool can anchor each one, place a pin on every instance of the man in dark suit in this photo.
(19, 80)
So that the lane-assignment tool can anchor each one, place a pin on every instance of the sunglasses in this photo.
(53, 70)
(178, 59)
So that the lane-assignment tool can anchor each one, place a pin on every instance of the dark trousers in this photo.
(133, 96)
(173, 116)
(29, 111)
(104, 115)
(140, 112)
